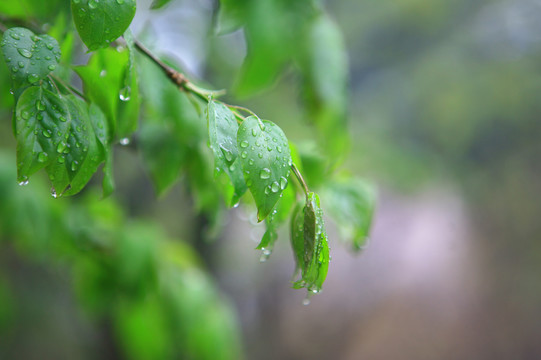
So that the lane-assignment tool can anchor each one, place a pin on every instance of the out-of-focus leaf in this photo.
(324, 65)
(26, 9)
(231, 15)
(101, 22)
(157, 4)
(350, 203)
(266, 160)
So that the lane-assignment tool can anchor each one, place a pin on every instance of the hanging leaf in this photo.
(315, 258)
(266, 160)
(297, 236)
(30, 58)
(99, 22)
(157, 4)
(223, 127)
(351, 203)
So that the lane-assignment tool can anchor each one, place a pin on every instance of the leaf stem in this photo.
(69, 87)
(177, 77)
(242, 108)
(300, 178)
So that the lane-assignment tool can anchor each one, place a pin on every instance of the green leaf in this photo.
(324, 65)
(42, 124)
(156, 4)
(297, 236)
(223, 128)
(104, 81)
(81, 153)
(162, 153)
(99, 22)
(266, 160)
(276, 218)
(30, 58)
(316, 249)
(351, 203)
(231, 15)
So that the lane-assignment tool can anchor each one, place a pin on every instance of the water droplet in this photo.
(76, 1)
(25, 52)
(51, 67)
(283, 183)
(61, 147)
(306, 301)
(264, 256)
(32, 78)
(254, 132)
(53, 192)
(63, 119)
(260, 155)
(42, 157)
(14, 36)
(232, 168)
(74, 165)
(251, 161)
(244, 144)
(24, 181)
(25, 115)
(120, 2)
(279, 149)
(265, 173)
(267, 190)
(61, 159)
(93, 4)
(125, 94)
(40, 105)
(20, 64)
(228, 156)
(124, 141)
(269, 148)
(47, 133)
(244, 154)
(103, 73)
(275, 187)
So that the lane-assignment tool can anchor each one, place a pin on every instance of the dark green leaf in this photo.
(266, 160)
(30, 58)
(316, 248)
(42, 124)
(99, 22)
(80, 154)
(156, 4)
(351, 205)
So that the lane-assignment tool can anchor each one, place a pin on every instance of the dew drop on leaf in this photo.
(25, 52)
(32, 78)
(265, 173)
(124, 141)
(275, 187)
(244, 144)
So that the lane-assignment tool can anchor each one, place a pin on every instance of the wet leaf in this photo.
(30, 58)
(266, 160)
(99, 22)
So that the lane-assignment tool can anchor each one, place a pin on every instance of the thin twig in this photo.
(69, 87)
(242, 108)
(300, 178)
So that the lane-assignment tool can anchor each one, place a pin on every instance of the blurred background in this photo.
(443, 120)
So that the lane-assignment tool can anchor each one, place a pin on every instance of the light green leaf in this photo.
(324, 65)
(316, 248)
(41, 127)
(99, 22)
(351, 203)
(231, 15)
(30, 58)
(103, 81)
(265, 160)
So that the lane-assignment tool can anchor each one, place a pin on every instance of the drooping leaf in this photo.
(276, 218)
(99, 22)
(316, 249)
(80, 154)
(30, 58)
(266, 160)
(103, 82)
(297, 236)
(324, 65)
(351, 203)
(41, 127)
